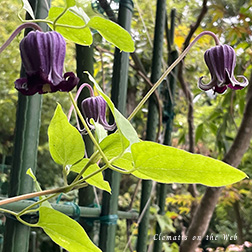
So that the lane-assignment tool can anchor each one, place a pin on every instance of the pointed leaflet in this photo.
(70, 3)
(65, 231)
(113, 33)
(37, 187)
(81, 36)
(170, 165)
(114, 145)
(96, 180)
(65, 142)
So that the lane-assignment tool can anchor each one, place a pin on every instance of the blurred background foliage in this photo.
(216, 119)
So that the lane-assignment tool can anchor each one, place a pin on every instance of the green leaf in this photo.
(124, 162)
(70, 3)
(97, 180)
(122, 123)
(81, 36)
(65, 231)
(38, 188)
(65, 142)
(26, 6)
(113, 33)
(80, 13)
(114, 145)
(166, 164)
(100, 132)
(86, 6)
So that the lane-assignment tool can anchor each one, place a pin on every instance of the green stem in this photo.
(89, 176)
(8, 211)
(57, 18)
(90, 162)
(169, 69)
(28, 209)
(88, 130)
(26, 223)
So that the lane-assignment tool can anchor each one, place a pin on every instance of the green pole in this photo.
(118, 96)
(152, 120)
(85, 62)
(16, 237)
(168, 112)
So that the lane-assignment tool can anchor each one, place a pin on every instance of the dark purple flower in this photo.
(43, 55)
(221, 63)
(95, 107)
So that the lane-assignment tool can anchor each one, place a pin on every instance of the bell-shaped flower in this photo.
(43, 55)
(221, 61)
(95, 107)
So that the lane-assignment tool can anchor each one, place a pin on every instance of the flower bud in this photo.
(95, 107)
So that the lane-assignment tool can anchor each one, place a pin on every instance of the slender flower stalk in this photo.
(83, 85)
(17, 31)
(88, 130)
(169, 69)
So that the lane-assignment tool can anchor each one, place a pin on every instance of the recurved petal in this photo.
(208, 86)
(235, 84)
(67, 84)
(22, 86)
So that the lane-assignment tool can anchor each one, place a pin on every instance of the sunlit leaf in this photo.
(65, 142)
(100, 132)
(166, 164)
(70, 3)
(113, 33)
(65, 231)
(81, 36)
(124, 162)
(96, 180)
(114, 145)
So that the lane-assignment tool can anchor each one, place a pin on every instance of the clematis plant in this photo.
(221, 63)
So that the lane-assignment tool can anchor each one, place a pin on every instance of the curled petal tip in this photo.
(205, 87)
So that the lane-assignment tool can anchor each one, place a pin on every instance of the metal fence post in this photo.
(168, 120)
(16, 237)
(152, 121)
(118, 96)
(85, 62)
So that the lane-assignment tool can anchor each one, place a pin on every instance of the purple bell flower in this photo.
(95, 107)
(221, 63)
(43, 57)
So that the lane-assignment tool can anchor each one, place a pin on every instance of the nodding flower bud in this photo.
(43, 55)
(95, 107)
(221, 61)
